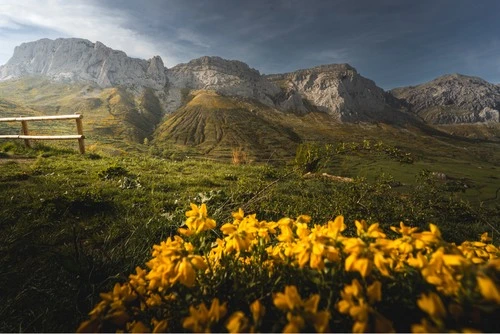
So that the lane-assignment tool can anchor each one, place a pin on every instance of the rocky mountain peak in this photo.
(74, 59)
(227, 77)
(453, 98)
(336, 89)
(215, 62)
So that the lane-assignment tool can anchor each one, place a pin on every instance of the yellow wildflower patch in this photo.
(294, 275)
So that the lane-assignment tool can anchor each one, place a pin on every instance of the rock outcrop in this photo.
(73, 59)
(452, 99)
(336, 89)
(226, 77)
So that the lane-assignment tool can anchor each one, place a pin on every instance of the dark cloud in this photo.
(394, 42)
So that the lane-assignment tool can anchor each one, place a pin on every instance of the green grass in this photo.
(72, 225)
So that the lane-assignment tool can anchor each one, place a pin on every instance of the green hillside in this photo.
(113, 117)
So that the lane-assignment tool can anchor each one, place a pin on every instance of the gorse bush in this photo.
(292, 275)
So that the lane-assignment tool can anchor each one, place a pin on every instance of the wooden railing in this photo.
(27, 137)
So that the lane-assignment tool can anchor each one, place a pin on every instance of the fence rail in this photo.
(27, 137)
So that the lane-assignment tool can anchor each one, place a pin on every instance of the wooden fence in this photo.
(27, 137)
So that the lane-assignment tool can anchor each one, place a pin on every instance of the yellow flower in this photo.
(154, 300)
(138, 281)
(258, 310)
(218, 248)
(417, 262)
(295, 323)
(374, 292)
(373, 231)
(429, 237)
(353, 245)
(360, 327)
(237, 323)
(320, 321)
(264, 229)
(446, 278)
(139, 327)
(288, 300)
(382, 264)
(201, 319)
(240, 236)
(334, 228)
(197, 220)
(300, 312)
(302, 230)
(432, 305)
(404, 230)
(485, 237)
(488, 289)
(185, 272)
(309, 252)
(453, 259)
(359, 264)
(355, 289)
(424, 326)
(159, 326)
(360, 312)
(173, 262)
(354, 303)
(285, 225)
(238, 216)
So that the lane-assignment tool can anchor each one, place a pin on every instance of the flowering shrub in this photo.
(292, 276)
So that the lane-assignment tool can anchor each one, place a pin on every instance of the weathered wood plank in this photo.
(34, 137)
(24, 126)
(79, 130)
(40, 118)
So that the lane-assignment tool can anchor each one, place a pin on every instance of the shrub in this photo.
(310, 157)
(292, 275)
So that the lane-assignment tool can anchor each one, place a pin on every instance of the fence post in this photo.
(79, 129)
(24, 125)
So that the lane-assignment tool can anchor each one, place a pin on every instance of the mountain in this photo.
(227, 77)
(336, 89)
(74, 60)
(452, 99)
(213, 106)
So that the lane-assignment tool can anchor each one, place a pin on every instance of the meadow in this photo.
(73, 226)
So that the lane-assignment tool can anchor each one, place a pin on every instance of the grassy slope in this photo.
(72, 225)
(113, 117)
(214, 126)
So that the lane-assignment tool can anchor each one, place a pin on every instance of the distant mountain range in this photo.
(145, 99)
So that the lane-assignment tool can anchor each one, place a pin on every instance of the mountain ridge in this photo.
(336, 89)
(78, 59)
(133, 99)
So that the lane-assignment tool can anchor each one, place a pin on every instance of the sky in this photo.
(393, 42)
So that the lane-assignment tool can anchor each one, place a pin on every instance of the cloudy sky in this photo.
(393, 42)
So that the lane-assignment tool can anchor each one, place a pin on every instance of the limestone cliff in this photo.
(226, 77)
(73, 60)
(452, 99)
(336, 89)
